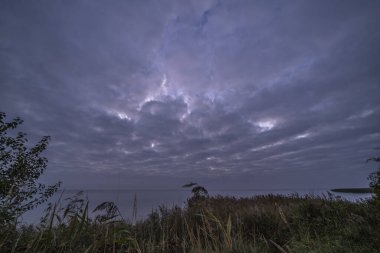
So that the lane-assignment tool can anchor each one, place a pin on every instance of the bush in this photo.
(20, 169)
(374, 178)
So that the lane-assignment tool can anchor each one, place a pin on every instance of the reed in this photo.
(270, 223)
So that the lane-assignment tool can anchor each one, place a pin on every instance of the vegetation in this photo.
(207, 224)
(20, 169)
(374, 178)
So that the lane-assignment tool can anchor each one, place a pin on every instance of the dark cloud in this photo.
(262, 93)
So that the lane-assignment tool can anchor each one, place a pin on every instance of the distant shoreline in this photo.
(353, 190)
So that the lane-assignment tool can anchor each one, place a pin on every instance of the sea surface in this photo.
(151, 199)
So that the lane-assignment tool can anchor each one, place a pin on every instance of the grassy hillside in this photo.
(270, 223)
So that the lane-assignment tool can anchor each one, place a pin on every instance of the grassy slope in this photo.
(217, 224)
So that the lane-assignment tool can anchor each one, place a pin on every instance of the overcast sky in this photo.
(231, 94)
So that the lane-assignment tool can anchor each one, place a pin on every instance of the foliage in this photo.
(197, 190)
(270, 223)
(374, 177)
(20, 169)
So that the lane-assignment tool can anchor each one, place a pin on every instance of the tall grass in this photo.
(270, 223)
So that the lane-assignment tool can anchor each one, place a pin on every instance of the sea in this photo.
(138, 204)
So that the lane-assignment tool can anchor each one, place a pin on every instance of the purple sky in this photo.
(230, 94)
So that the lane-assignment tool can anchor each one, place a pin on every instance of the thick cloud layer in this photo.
(262, 93)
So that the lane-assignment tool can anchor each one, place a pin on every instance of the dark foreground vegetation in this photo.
(207, 224)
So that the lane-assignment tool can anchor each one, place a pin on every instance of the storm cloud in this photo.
(259, 93)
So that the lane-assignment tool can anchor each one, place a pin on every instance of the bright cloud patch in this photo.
(302, 136)
(266, 125)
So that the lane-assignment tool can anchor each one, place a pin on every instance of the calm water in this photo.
(148, 200)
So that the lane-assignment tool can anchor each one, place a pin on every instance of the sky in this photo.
(229, 94)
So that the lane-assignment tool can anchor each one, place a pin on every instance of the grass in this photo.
(270, 223)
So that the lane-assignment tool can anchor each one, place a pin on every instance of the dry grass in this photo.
(268, 223)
